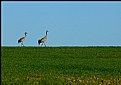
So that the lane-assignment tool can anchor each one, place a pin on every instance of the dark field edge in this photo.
(68, 46)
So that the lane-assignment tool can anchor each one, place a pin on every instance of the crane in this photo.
(42, 40)
(21, 40)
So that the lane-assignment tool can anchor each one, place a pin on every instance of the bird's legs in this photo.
(45, 44)
(41, 44)
(22, 44)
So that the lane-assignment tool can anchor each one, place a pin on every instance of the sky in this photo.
(70, 23)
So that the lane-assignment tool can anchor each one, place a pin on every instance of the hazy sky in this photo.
(70, 23)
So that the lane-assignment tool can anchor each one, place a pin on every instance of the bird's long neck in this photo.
(25, 35)
(46, 33)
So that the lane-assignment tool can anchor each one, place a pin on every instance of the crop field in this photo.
(61, 65)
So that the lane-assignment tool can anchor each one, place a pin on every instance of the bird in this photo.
(22, 39)
(42, 40)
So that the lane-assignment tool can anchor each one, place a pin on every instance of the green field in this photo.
(61, 65)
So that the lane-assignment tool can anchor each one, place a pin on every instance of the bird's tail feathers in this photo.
(38, 42)
(19, 41)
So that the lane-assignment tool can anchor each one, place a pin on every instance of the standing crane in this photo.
(22, 39)
(42, 40)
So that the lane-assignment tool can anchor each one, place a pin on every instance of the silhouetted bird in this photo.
(22, 39)
(43, 39)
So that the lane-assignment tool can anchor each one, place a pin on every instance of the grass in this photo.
(61, 65)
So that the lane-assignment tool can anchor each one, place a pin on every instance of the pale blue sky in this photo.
(70, 23)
